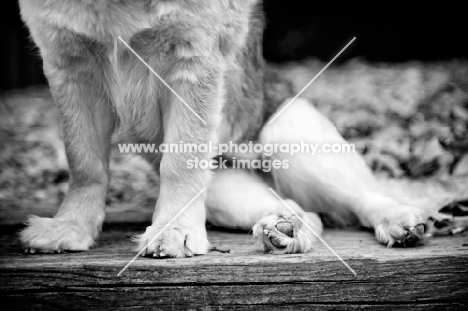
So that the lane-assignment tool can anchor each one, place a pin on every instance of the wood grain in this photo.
(434, 276)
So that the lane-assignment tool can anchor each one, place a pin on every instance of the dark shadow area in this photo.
(300, 29)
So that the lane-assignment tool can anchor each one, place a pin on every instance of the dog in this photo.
(208, 55)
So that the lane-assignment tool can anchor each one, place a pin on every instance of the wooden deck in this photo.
(424, 278)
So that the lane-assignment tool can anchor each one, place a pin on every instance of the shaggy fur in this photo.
(210, 54)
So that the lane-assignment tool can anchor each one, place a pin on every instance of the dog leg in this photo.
(88, 122)
(338, 185)
(240, 199)
(195, 72)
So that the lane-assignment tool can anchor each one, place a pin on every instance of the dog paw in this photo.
(401, 227)
(175, 241)
(53, 235)
(286, 234)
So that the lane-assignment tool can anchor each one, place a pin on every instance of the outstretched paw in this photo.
(401, 227)
(286, 234)
(175, 241)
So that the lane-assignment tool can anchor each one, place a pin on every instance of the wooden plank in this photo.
(432, 276)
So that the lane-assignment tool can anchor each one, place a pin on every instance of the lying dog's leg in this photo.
(285, 233)
(88, 122)
(240, 199)
(194, 69)
(338, 185)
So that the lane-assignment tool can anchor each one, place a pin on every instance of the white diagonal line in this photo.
(162, 80)
(160, 232)
(311, 81)
(315, 233)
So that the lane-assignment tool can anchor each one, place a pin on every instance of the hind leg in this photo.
(339, 185)
(240, 199)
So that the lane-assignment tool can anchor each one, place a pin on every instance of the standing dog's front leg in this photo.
(87, 122)
(197, 78)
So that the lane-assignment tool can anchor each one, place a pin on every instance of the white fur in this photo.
(209, 51)
(339, 186)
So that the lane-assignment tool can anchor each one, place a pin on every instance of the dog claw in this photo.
(413, 234)
(30, 250)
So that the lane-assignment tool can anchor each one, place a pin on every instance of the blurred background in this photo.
(400, 92)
